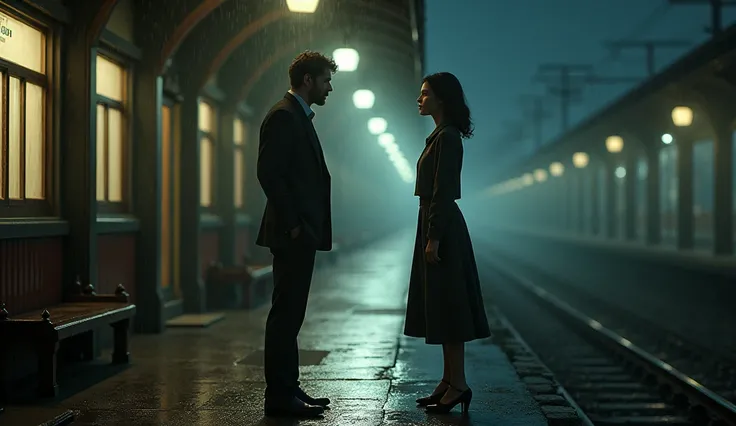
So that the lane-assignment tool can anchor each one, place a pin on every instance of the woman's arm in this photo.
(448, 158)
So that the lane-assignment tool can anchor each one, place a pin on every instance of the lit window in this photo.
(23, 165)
(207, 130)
(167, 208)
(112, 143)
(239, 159)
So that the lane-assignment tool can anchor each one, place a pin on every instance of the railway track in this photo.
(612, 379)
(714, 367)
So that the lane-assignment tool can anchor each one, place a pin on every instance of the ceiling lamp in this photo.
(347, 59)
(614, 144)
(556, 169)
(302, 6)
(682, 116)
(580, 160)
(364, 99)
(386, 139)
(377, 125)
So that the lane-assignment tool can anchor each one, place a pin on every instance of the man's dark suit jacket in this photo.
(294, 176)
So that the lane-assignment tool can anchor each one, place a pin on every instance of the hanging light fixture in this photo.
(377, 125)
(364, 99)
(386, 139)
(540, 175)
(556, 169)
(682, 116)
(580, 160)
(346, 58)
(614, 144)
(302, 6)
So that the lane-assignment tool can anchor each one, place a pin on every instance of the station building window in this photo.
(207, 141)
(170, 197)
(239, 159)
(112, 134)
(25, 154)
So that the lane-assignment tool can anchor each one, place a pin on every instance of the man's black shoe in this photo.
(322, 402)
(293, 407)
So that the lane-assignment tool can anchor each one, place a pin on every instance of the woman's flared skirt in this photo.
(445, 302)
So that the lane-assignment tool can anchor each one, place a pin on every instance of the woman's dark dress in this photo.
(445, 303)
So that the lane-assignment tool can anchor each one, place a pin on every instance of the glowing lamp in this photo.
(364, 99)
(386, 140)
(580, 160)
(667, 138)
(614, 144)
(347, 59)
(302, 6)
(620, 172)
(556, 169)
(377, 125)
(682, 116)
(527, 179)
(540, 175)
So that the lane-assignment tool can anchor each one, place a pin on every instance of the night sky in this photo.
(495, 47)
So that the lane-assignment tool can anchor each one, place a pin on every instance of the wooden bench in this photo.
(238, 286)
(80, 313)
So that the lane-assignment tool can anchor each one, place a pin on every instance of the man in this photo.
(296, 223)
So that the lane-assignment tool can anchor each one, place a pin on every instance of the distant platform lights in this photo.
(556, 169)
(347, 59)
(364, 99)
(302, 6)
(580, 160)
(388, 142)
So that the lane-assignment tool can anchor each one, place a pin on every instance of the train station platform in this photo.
(353, 352)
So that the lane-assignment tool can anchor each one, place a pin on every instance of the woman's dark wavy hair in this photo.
(455, 109)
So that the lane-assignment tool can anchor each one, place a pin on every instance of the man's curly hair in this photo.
(309, 62)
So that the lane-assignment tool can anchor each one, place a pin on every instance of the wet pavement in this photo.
(352, 352)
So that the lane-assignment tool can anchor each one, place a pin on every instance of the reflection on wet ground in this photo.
(352, 352)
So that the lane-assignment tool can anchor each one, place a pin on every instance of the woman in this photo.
(445, 305)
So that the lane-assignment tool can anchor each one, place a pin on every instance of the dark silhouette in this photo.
(296, 224)
(445, 304)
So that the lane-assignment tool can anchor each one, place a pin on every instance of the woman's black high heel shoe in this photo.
(434, 398)
(463, 399)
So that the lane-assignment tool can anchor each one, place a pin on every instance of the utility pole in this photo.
(534, 107)
(649, 47)
(567, 85)
(716, 12)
